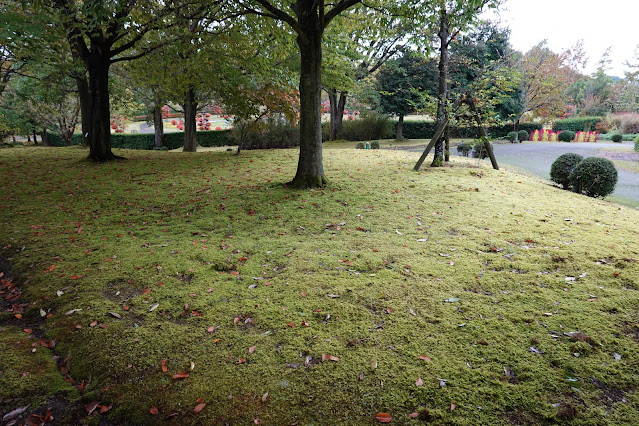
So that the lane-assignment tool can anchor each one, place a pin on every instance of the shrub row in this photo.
(146, 141)
(637, 143)
(577, 124)
(593, 176)
(426, 130)
(368, 127)
(610, 136)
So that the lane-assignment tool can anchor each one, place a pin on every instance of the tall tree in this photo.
(308, 19)
(400, 82)
(545, 78)
(100, 34)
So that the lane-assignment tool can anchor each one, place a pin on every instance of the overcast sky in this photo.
(600, 24)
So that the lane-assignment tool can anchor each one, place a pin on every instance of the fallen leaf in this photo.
(90, 407)
(15, 413)
(252, 349)
(181, 375)
(164, 367)
(93, 324)
(105, 408)
(334, 296)
(264, 397)
(413, 415)
(373, 364)
(425, 358)
(147, 291)
(452, 299)
(257, 421)
(419, 382)
(27, 330)
(18, 316)
(153, 410)
(75, 277)
(240, 361)
(452, 406)
(154, 307)
(199, 407)
(192, 366)
(116, 315)
(384, 418)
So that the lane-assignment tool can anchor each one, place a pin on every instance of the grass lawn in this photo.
(458, 295)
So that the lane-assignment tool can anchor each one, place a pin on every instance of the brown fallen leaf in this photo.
(384, 418)
(425, 358)
(105, 408)
(240, 361)
(90, 407)
(164, 367)
(252, 349)
(264, 397)
(93, 324)
(452, 406)
(413, 415)
(116, 315)
(181, 375)
(419, 382)
(199, 407)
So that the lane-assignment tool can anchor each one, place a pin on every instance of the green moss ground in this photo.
(474, 268)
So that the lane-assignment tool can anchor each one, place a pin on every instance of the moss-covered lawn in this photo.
(460, 295)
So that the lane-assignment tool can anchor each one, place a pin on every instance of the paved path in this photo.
(538, 157)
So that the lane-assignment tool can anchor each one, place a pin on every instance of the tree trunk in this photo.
(158, 124)
(337, 113)
(100, 113)
(444, 34)
(190, 111)
(400, 129)
(310, 169)
(85, 108)
(45, 137)
(35, 136)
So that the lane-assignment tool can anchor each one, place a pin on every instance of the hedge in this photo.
(608, 137)
(146, 141)
(426, 130)
(577, 124)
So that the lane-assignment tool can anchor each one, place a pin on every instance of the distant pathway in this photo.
(537, 158)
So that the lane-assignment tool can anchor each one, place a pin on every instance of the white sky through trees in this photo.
(600, 24)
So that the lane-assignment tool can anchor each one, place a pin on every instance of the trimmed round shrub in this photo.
(375, 145)
(360, 145)
(522, 135)
(617, 137)
(479, 150)
(566, 136)
(464, 149)
(511, 136)
(594, 176)
(563, 166)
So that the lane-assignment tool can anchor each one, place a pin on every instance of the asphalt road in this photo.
(537, 158)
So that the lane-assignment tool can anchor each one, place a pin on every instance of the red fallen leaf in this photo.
(240, 361)
(108, 259)
(425, 358)
(76, 277)
(180, 375)
(616, 274)
(199, 400)
(147, 291)
(242, 259)
(105, 408)
(235, 273)
(164, 367)
(49, 269)
(384, 418)
(93, 324)
(252, 349)
(199, 407)
(27, 330)
(529, 241)
(217, 340)
(153, 410)
(291, 324)
(268, 283)
(18, 316)
(452, 406)
(126, 307)
(303, 294)
(82, 385)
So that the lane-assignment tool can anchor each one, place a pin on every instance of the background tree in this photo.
(399, 83)
(545, 78)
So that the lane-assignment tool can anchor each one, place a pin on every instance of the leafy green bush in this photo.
(616, 137)
(269, 134)
(426, 130)
(369, 126)
(512, 136)
(375, 145)
(479, 150)
(566, 136)
(464, 149)
(522, 135)
(563, 166)
(624, 136)
(577, 124)
(594, 176)
(360, 145)
(637, 143)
